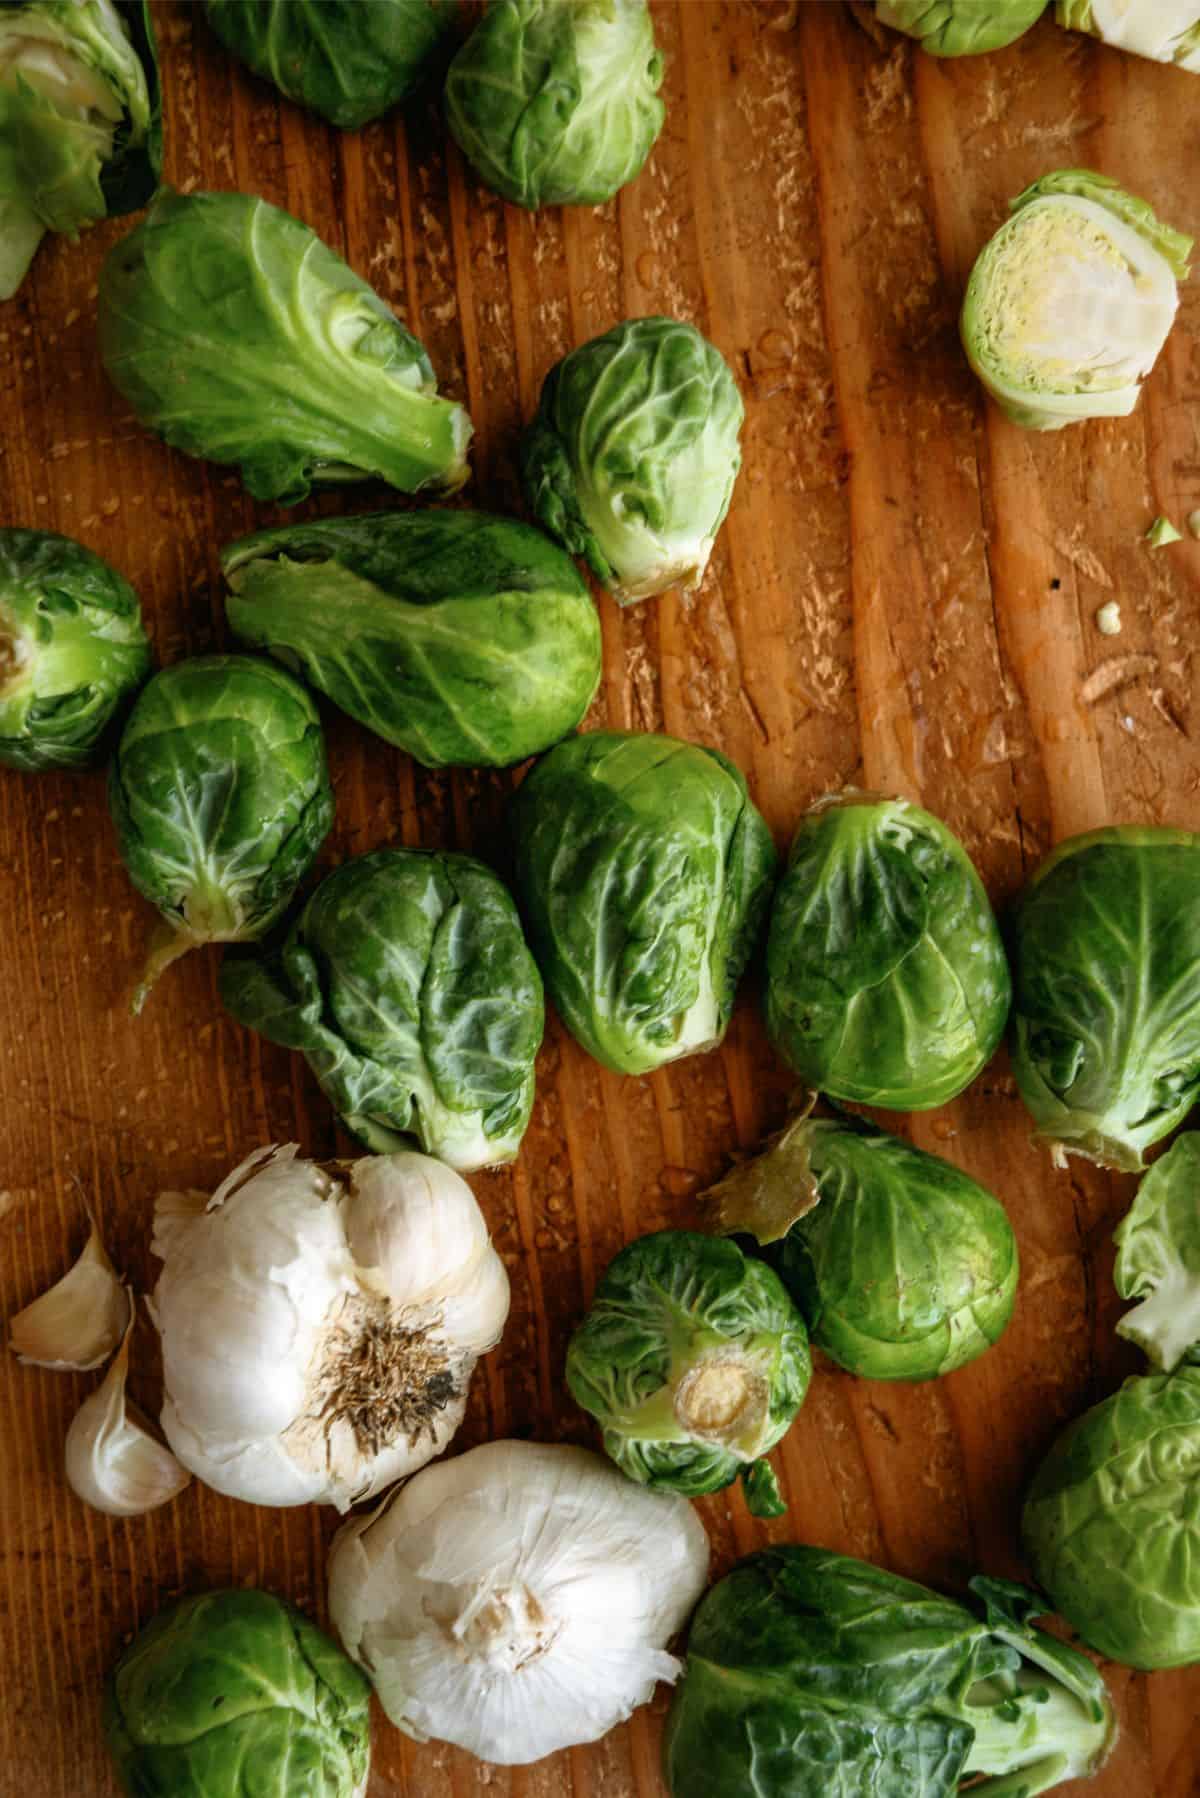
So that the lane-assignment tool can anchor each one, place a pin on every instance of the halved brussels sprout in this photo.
(408, 987)
(233, 1692)
(1106, 1012)
(960, 27)
(1071, 301)
(468, 640)
(1158, 1258)
(644, 872)
(903, 1266)
(631, 459)
(1164, 30)
(556, 104)
(695, 1362)
(349, 60)
(80, 120)
(72, 649)
(237, 335)
(1110, 1522)
(886, 978)
(221, 799)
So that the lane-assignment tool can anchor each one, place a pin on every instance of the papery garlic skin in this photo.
(77, 1323)
(112, 1461)
(517, 1599)
(320, 1325)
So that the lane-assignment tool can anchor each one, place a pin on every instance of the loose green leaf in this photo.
(643, 871)
(1071, 301)
(237, 1687)
(631, 459)
(349, 60)
(221, 799)
(1162, 532)
(557, 105)
(237, 335)
(80, 120)
(72, 650)
(695, 1362)
(1158, 1257)
(810, 1673)
(960, 27)
(1106, 971)
(468, 640)
(903, 1267)
(886, 979)
(1110, 1524)
(1164, 30)
(407, 985)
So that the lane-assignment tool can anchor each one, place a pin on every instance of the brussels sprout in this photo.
(407, 984)
(644, 872)
(1106, 1012)
(221, 799)
(960, 27)
(232, 1693)
(1158, 1258)
(72, 649)
(557, 105)
(886, 978)
(80, 120)
(809, 1673)
(631, 459)
(695, 1361)
(349, 60)
(467, 640)
(237, 335)
(1070, 302)
(1164, 30)
(904, 1267)
(1110, 1522)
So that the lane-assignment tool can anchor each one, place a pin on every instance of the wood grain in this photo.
(904, 597)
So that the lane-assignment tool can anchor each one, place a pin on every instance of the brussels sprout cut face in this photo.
(631, 459)
(960, 27)
(238, 336)
(80, 120)
(886, 979)
(1164, 30)
(644, 871)
(694, 1360)
(468, 640)
(1070, 303)
(407, 984)
(801, 1662)
(348, 60)
(1111, 1527)
(221, 799)
(72, 649)
(555, 102)
(1106, 966)
(233, 1686)
(903, 1267)
(1158, 1258)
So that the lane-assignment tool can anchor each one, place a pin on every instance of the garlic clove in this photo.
(77, 1324)
(113, 1462)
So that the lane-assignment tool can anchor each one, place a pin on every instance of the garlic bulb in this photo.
(79, 1321)
(113, 1462)
(517, 1599)
(320, 1324)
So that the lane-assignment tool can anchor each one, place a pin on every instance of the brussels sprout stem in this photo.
(16, 660)
(1035, 1729)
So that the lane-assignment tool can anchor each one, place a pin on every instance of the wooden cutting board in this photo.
(904, 597)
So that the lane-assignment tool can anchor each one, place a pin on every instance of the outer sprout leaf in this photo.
(237, 335)
(1158, 1257)
(1106, 1015)
(466, 639)
(407, 985)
